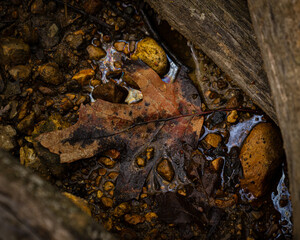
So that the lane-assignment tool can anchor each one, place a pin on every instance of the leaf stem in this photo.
(193, 114)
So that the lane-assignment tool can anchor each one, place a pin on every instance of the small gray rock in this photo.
(49, 35)
(20, 72)
(7, 137)
(12, 89)
(74, 40)
(13, 111)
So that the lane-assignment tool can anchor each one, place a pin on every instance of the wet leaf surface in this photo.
(153, 123)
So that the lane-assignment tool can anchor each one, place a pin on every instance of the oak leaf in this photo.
(164, 120)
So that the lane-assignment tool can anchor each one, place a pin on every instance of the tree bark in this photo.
(31, 208)
(277, 27)
(223, 30)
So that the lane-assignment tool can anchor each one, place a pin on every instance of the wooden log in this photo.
(277, 27)
(31, 208)
(223, 30)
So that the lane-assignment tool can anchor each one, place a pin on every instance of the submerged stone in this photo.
(260, 156)
(165, 170)
(152, 54)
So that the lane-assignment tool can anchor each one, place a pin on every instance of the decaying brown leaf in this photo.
(153, 123)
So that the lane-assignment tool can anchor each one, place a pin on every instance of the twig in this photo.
(176, 117)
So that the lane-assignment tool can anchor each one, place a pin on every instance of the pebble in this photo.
(75, 39)
(7, 137)
(119, 46)
(95, 53)
(81, 100)
(261, 154)
(133, 96)
(217, 118)
(99, 194)
(126, 49)
(222, 84)
(182, 192)
(65, 104)
(107, 202)
(95, 82)
(108, 186)
(54, 122)
(28, 158)
(53, 30)
(49, 35)
(23, 110)
(102, 171)
(64, 56)
(232, 116)
(13, 51)
(152, 54)
(257, 214)
(50, 73)
(46, 90)
(51, 7)
(12, 89)
(112, 153)
(132, 46)
(213, 139)
(150, 216)
(20, 72)
(141, 162)
(149, 153)
(216, 164)
(113, 175)
(118, 65)
(134, 219)
(110, 92)
(108, 162)
(165, 170)
(234, 102)
(121, 209)
(26, 123)
(37, 7)
(83, 77)
(92, 6)
(227, 202)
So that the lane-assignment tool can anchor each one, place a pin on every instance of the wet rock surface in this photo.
(95, 53)
(110, 92)
(152, 54)
(261, 155)
(53, 62)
